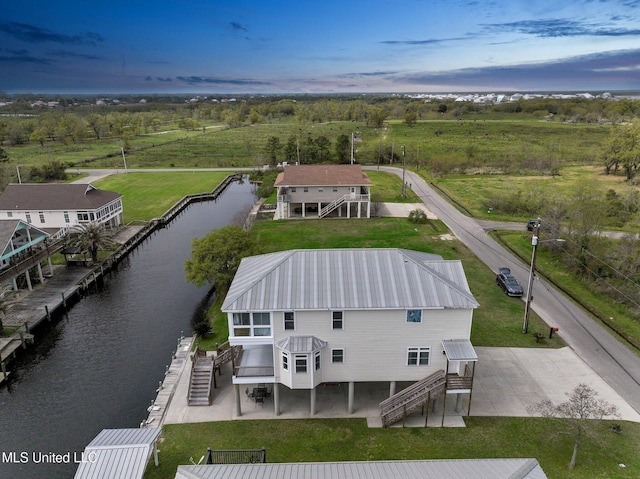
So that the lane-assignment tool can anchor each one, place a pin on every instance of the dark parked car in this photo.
(508, 283)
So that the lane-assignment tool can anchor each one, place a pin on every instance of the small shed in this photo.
(119, 454)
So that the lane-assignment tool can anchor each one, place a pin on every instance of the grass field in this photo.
(149, 195)
(475, 192)
(473, 142)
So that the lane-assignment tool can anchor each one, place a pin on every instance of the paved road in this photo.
(609, 358)
(99, 173)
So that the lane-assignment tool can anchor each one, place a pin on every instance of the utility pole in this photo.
(124, 159)
(527, 305)
(404, 168)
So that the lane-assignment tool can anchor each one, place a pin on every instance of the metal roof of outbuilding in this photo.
(451, 469)
(348, 279)
(118, 454)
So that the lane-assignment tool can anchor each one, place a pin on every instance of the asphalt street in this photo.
(607, 356)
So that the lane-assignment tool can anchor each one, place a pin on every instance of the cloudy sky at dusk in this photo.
(238, 46)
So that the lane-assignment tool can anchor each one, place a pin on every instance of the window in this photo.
(256, 324)
(337, 355)
(28, 215)
(301, 364)
(262, 324)
(83, 216)
(293, 190)
(335, 188)
(66, 217)
(241, 323)
(285, 361)
(418, 356)
(414, 315)
(336, 320)
(316, 359)
(289, 320)
(41, 215)
(305, 189)
(320, 190)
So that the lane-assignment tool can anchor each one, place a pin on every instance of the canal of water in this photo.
(99, 366)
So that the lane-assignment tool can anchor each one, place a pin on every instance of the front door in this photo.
(352, 189)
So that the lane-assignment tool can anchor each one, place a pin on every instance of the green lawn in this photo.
(388, 188)
(351, 440)
(150, 195)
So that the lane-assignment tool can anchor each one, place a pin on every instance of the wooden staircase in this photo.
(202, 370)
(403, 403)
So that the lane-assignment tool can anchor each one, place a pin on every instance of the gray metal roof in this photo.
(301, 344)
(459, 350)
(118, 454)
(451, 469)
(367, 278)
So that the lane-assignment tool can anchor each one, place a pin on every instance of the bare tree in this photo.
(577, 414)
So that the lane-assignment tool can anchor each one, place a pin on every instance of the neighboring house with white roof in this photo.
(320, 191)
(307, 317)
(57, 205)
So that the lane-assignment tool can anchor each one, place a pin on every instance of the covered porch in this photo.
(461, 366)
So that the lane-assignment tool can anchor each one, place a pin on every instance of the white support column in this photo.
(304, 210)
(350, 400)
(392, 388)
(276, 399)
(458, 402)
(369, 209)
(50, 266)
(312, 407)
(236, 391)
(28, 278)
(348, 203)
(359, 209)
(40, 276)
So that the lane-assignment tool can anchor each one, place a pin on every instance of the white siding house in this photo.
(320, 191)
(307, 317)
(59, 206)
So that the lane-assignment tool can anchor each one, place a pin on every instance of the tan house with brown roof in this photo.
(320, 191)
(60, 206)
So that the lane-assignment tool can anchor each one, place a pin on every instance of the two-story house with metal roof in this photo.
(308, 317)
(320, 191)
